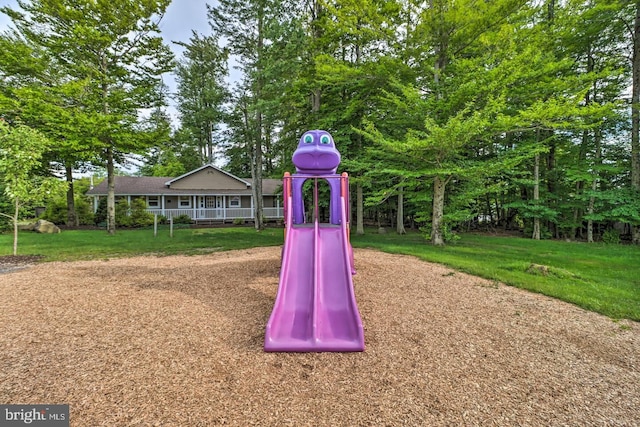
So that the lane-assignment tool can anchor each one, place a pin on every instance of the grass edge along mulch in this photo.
(597, 277)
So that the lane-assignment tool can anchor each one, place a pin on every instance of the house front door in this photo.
(220, 207)
(206, 205)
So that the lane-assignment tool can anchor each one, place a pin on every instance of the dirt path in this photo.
(177, 341)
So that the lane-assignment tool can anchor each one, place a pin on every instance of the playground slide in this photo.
(315, 309)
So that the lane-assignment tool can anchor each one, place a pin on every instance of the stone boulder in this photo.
(46, 227)
(27, 227)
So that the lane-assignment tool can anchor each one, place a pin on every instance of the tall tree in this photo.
(254, 30)
(117, 52)
(350, 39)
(243, 24)
(41, 95)
(202, 92)
(452, 34)
(635, 114)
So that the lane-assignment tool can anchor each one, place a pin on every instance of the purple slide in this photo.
(315, 308)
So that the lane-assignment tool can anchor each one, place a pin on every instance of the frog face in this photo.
(316, 154)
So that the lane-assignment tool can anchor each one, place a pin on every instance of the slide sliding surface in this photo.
(338, 326)
(315, 309)
(290, 326)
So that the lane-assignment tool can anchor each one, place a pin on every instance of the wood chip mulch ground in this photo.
(177, 341)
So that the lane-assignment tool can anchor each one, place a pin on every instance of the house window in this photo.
(184, 201)
(234, 202)
(153, 201)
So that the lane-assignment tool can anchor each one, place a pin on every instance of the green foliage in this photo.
(611, 237)
(21, 151)
(56, 210)
(138, 216)
(100, 216)
(464, 91)
(200, 76)
(5, 206)
(619, 204)
(99, 86)
(123, 218)
(182, 219)
(133, 215)
(448, 235)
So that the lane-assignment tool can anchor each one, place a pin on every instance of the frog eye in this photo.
(324, 139)
(308, 139)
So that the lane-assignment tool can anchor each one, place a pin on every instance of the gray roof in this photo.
(244, 181)
(157, 186)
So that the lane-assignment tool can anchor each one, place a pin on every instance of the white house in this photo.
(204, 194)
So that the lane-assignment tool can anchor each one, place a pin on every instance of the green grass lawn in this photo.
(97, 244)
(597, 277)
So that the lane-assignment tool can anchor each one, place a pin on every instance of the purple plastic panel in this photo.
(315, 308)
(316, 154)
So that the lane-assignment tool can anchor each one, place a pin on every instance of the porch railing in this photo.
(217, 213)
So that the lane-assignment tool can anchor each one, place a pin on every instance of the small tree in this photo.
(21, 151)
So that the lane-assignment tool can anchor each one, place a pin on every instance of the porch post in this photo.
(224, 208)
(252, 206)
(162, 204)
(195, 211)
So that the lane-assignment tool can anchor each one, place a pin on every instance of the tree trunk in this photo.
(256, 172)
(359, 209)
(584, 146)
(15, 226)
(315, 8)
(210, 143)
(594, 183)
(635, 117)
(111, 193)
(580, 184)
(72, 218)
(551, 181)
(257, 148)
(400, 213)
(536, 196)
(437, 232)
(441, 55)
(315, 101)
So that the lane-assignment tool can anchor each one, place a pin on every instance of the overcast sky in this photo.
(181, 18)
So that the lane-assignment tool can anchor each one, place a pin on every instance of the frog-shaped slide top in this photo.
(315, 307)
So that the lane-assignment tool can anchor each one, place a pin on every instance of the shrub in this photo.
(182, 219)
(56, 211)
(122, 213)
(100, 216)
(138, 215)
(127, 215)
(611, 237)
